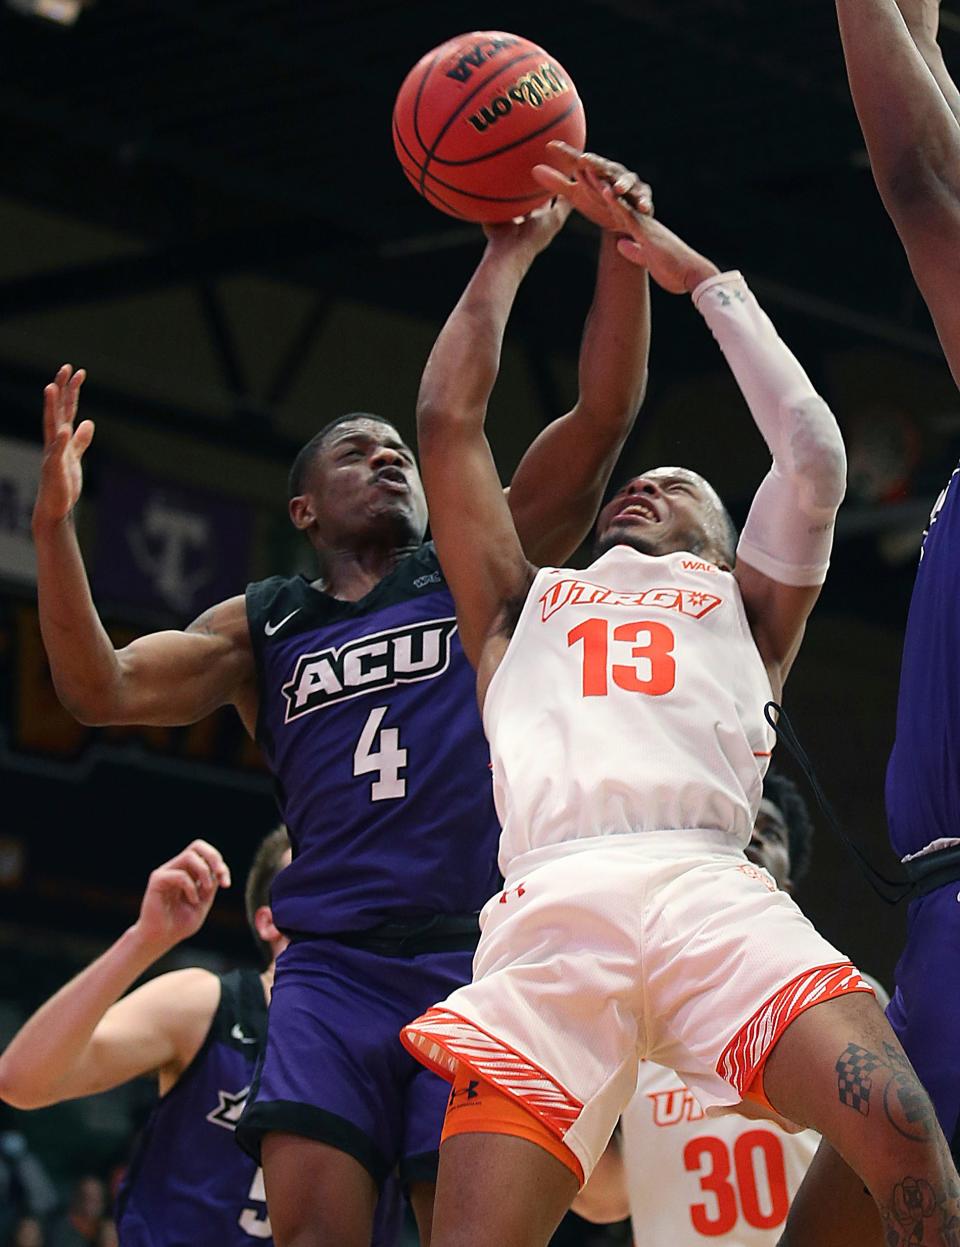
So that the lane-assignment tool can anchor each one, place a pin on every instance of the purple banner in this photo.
(167, 547)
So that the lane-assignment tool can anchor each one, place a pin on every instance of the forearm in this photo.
(83, 661)
(929, 49)
(40, 1064)
(789, 532)
(616, 341)
(911, 132)
(463, 365)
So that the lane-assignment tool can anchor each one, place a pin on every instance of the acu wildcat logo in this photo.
(382, 660)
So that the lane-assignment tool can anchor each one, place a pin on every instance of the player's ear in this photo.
(266, 927)
(302, 513)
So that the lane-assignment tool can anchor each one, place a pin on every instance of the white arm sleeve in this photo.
(789, 531)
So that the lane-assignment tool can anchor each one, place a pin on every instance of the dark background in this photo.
(200, 204)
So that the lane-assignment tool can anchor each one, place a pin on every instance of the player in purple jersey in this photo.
(909, 111)
(356, 686)
(199, 1032)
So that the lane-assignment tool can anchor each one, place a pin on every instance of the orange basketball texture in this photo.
(475, 115)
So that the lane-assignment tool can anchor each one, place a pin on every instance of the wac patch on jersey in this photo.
(382, 660)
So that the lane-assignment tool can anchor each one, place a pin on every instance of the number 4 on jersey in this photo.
(378, 752)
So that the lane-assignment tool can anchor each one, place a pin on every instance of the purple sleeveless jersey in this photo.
(368, 718)
(189, 1182)
(923, 805)
(923, 775)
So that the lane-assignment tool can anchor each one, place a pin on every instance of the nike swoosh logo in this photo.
(270, 628)
(237, 1033)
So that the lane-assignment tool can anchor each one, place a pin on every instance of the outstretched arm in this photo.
(470, 519)
(908, 108)
(784, 550)
(169, 678)
(558, 486)
(85, 1038)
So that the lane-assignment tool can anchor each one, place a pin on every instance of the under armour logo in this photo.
(470, 1091)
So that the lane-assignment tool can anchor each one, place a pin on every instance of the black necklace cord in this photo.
(891, 891)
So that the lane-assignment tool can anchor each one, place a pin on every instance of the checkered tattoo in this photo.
(854, 1068)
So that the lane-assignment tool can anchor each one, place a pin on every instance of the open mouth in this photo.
(639, 509)
(392, 479)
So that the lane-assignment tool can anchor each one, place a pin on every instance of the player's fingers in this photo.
(621, 209)
(609, 170)
(553, 180)
(562, 155)
(633, 251)
(61, 440)
(50, 423)
(212, 856)
(82, 438)
(73, 392)
(590, 178)
(642, 198)
(181, 881)
(199, 868)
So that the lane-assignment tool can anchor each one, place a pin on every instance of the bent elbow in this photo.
(438, 422)
(922, 185)
(16, 1091)
(818, 455)
(88, 705)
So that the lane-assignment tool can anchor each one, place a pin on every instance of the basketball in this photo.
(475, 115)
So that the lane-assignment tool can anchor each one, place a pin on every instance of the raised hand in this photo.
(532, 233)
(580, 177)
(672, 264)
(179, 895)
(61, 477)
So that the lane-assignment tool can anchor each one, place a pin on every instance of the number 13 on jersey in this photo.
(648, 643)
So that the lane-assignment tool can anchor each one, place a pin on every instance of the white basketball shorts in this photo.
(666, 946)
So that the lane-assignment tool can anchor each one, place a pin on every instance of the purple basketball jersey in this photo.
(189, 1182)
(923, 775)
(368, 718)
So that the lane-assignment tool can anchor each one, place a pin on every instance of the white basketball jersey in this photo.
(695, 1180)
(629, 699)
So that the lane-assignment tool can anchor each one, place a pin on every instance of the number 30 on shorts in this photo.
(653, 670)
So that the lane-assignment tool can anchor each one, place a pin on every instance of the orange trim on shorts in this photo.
(478, 1107)
(742, 1061)
(756, 1091)
(443, 1040)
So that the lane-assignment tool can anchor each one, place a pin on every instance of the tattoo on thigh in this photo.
(917, 1214)
(905, 1103)
(854, 1068)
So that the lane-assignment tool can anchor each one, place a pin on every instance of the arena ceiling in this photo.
(174, 145)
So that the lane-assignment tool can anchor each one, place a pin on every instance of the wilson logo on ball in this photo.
(533, 89)
(475, 115)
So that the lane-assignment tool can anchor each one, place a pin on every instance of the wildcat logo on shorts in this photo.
(383, 660)
(581, 593)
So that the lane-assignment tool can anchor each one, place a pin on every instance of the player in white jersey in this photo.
(684, 1178)
(624, 707)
